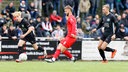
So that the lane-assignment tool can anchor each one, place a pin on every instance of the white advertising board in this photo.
(90, 51)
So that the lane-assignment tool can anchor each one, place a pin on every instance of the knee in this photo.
(102, 47)
(63, 50)
(20, 45)
(61, 47)
(35, 47)
(99, 47)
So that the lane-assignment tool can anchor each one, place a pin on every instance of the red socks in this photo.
(57, 53)
(67, 53)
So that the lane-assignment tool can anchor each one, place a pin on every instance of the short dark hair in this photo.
(68, 7)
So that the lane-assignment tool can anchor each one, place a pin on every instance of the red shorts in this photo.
(68, 41)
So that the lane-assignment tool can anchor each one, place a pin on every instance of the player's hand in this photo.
(22, 36)
(58, 20)
(93, 30)
(113, 37)
(5, 31)
(74, 36)
(122, 30)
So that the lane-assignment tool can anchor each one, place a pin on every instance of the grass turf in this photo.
(63, 66)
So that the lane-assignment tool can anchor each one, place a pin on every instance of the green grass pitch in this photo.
(63, 66)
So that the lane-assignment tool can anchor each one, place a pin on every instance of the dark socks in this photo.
(102, 54)
(109, 49)
(40, 49)
(20, 49)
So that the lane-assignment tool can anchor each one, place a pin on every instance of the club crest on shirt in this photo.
(22, 25)
(108, 19)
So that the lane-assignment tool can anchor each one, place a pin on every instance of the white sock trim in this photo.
(54, 59)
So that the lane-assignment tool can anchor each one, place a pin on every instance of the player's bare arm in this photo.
(31, 28)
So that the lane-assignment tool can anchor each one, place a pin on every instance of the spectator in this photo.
(86, 27)
(19, 32)
(119, 19)
(23, 8)
(124, 21)
(64, 3)
(0, 3)
(12, 33)
(54, 18)
(38, 6)
(32, 22)
(118, 5)
(94, 6)
(122, 32)
(47, 27)
(32, 10)
(3, 32)
(58, 34)
(111, 4)
(98, 33)
(64, 21)
(79, 26)
(97, 17)
(2, 21)
(38, 27)
(26, 2)
(76, 7)
(114, 12)
(47, 7)
(80, 33)
(90, 18)
(56, 5)
(68, 2)
(84, 7)
(126, 4)
(10, 9)
(126, 11)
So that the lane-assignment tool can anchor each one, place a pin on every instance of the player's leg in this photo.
(62, 47)
(20, 48)
(69, 55)
(56, 54)
(102, 54)
(36, 47)
(108, 49)
(64, 50)
(59, 49)
(69, 42)
(32, 40)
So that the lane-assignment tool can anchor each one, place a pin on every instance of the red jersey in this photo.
(71, 26)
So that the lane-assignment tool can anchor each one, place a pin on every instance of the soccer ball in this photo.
(23, 56)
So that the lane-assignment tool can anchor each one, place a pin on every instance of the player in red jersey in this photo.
(69, 39)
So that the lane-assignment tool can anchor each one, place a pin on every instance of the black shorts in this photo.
(106, 38)
(30, 38)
